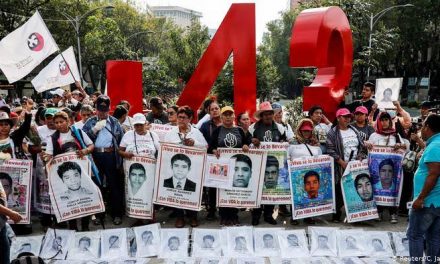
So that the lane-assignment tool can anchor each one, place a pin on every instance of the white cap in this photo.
(59, 92)
(139, 119)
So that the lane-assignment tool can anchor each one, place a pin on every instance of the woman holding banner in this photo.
(228, 135)
(186, 135)
(65, 139)
(305, 143)
(385, 135)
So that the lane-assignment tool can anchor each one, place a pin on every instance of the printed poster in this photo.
(16, 178)
(219, 172)
(41, 188)
(247, 181)
(160, 130)
(312, 190)
(387, 91)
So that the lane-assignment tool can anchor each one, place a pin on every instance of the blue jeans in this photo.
(424, 224)
(4, 246)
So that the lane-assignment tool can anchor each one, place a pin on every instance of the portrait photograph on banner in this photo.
(40, 190)
(266, 242)
(357, 191)
(139, 184)
(276, 187)
(206, 242)
(16, 178)
(22, 244)
(378, 244)
(114, 244)
(219, 172)
(240, 241)
(174, 242)
(401, 244)
(72, 192)
(350, 243)
(56, 243)
(323, 241)
(247, 181)
(312, 190)
(293, 243)
(147, 240)
(387, 91)
(85, 246)
(179, 177)
(385, 165)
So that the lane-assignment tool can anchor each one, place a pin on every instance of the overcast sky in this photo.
(215, 10)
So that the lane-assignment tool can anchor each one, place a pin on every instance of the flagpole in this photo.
(71, 73)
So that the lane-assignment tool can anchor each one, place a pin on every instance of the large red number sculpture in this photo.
(236, 35)
(321, 38)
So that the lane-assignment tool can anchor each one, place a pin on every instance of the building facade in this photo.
(179, 15)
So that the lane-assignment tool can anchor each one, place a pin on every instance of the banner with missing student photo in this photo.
(276, 188)
(16, 178)
(247, 181)
(312, 190)
(385, 165)
(139, 184)
(357, 191)
(179, 176)
(73, 194)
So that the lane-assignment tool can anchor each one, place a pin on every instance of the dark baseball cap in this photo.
(103, 103)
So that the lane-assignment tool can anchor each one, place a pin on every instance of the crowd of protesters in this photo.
(41, 131)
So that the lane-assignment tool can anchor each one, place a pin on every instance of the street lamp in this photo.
(373, 21)
(135, 34)
(76, 23)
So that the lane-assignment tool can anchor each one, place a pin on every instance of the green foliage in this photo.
(294, 112)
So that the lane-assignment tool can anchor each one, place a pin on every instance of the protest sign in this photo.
(385, 165)
(56, 243)
(41, 188)
(247, 181)
(30, 244)
(312, 187)
(387, 91)
(401, 244)
(240, 241)
(357, 191)
(206, 243)
(161, 130)
(139, 184)
(147, 240)
(350, 243)
(174, 242)
(323, 241)
(114, 243)
(276, 189)
(86, 246)
(378, 244)
(16, 178)
(266, 242)
(219, 172)
(72, 191)
(179, 176)
(293, 243)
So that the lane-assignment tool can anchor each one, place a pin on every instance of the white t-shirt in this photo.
(382, 140)
(79, 125)
(66, 138)
(146, 144)
(350, 143)
(300, 150)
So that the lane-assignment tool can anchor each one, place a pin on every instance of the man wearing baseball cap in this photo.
(344, 144)
(361, 122)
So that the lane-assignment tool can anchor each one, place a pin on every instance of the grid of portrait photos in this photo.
(243, 244)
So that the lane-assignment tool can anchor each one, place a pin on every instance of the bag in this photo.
(409, 161)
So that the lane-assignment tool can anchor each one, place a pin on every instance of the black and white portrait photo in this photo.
(114, 243)
(387, 91)
(240, 241)
(401, 244)
(206, 243)
(174, 242)
(57, 243)
(293, 243)
(266, 242)
(147, 240)
(350, 243)
(28, 244)
(179, 176)
(85, 247)
(378, 244)
(323, 241)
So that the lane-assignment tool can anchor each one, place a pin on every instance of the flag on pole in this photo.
(26, 47)
(58, 72)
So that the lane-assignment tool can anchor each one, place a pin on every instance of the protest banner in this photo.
(387, 91)
(114, 244)
(247, 181)
(378, 244)
(385, 165)
(56, 243)
(350, 243)
(41, 188)
(293, 243)
(147, 240)
(312, 187)
(206, 242)
(240, 241)
(219, 172)
(161, 130)
(86, 246)
(323, 241)
(357, 191)
(179, 177)
(72, 191)
(16, 178)
(174, 243)
(21, 244)
(276, 189)
(139, 184)
(266, 242)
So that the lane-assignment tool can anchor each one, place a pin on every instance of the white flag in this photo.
(26, 47)
(57, 72)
